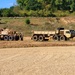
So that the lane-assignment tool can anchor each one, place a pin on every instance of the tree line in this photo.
(42, 8)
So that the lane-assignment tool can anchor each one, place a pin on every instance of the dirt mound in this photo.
(68, 20)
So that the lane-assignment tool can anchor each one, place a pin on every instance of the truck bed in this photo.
(44, 32)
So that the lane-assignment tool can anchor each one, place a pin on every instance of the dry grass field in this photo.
(37, 23)
(38, 61)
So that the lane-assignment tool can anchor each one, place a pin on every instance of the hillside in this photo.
(37, 23)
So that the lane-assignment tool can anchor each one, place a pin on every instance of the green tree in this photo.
(21, 3)
(5, 12)
(38, 8)
(72, 5)
(0, 12)
(29, 4)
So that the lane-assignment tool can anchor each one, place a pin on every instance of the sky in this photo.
(7, 3)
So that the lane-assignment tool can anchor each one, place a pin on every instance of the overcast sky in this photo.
(7, 3)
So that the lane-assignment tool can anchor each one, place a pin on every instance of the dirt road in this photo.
(30, 43)
(38, 61)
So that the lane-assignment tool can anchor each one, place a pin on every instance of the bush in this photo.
(32, 13)
(62, 13)
(27, 21)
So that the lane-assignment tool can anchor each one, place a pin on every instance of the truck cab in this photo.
(62, 34)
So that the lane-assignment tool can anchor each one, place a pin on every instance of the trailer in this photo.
(60, 34)
(9, 35)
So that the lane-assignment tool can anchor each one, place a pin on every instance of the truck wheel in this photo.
(6, 38)
(16, 38)
(21, 38)
(62, 38)
(56, 37)
(41, 38)
(11, 38)
(35, 37)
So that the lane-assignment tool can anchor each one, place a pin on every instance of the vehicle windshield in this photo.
(67, 31)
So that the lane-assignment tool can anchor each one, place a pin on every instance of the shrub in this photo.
(27, 21)
(32, 13)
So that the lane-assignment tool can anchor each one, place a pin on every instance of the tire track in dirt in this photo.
(9, 58)
(39, 61)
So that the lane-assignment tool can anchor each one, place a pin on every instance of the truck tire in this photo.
(21, 38)
(62, 38)
(56, 38)
(16, 38)
(35, 38)
(41, 38)
(11, 38)
(6, 38)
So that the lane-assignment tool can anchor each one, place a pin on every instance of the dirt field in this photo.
(29, 43)
(38, 61)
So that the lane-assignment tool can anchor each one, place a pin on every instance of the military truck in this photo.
(60, 34)
(10, 35)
